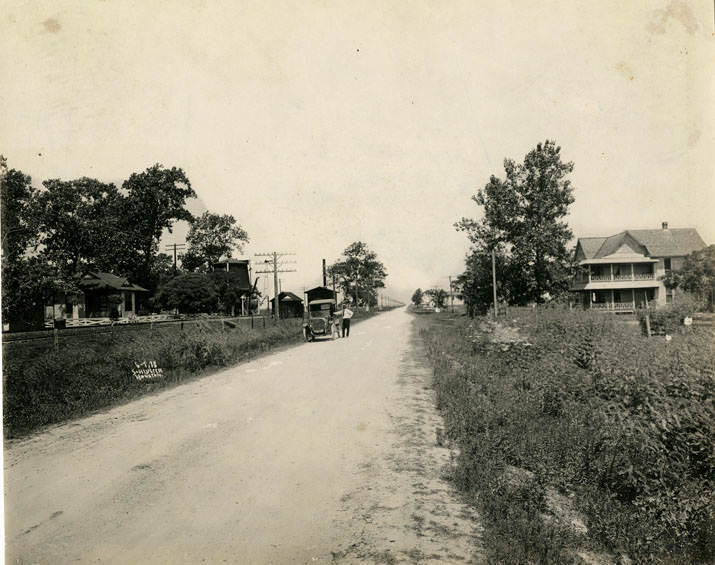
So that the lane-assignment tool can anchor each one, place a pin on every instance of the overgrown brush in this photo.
(590, 407)
(77, 379)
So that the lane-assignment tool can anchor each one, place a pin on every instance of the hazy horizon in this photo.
(317, 125)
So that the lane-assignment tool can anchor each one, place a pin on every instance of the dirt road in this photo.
(321, 453)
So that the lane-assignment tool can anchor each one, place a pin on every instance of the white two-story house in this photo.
(624, 271)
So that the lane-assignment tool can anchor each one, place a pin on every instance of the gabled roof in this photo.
(653, 243)
(96, 280)
(590, 245)
(614, 243)
(232, 260)
(669, 242)
(286, 296)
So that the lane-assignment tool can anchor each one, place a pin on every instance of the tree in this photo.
(27, 281)
(475, 283)
(16, 192)
(358, 273)
(78, 223)
(524, 220)
(417, 297)
(156, 198)
(211, 237)
(191, 293)
(697, 276)
(227, 288)
(438, 296)
(162, 269)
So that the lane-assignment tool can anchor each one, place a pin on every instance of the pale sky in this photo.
(320, 123)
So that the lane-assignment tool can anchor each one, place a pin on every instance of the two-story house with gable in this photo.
(623, 272)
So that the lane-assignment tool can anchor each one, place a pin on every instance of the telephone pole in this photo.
(494, 281)
(451, 290)
(275, 270)
(175, 246)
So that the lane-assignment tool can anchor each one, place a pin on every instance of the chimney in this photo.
(665, 225)
(325, 275)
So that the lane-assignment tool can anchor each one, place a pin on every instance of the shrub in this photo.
(190, 294)
(669, 319)
(592, 407)
(82, 377)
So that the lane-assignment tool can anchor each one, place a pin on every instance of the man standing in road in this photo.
(346, 314)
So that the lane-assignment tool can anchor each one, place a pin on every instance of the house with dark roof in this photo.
(623, 272)
(103, 295)
(238, 274)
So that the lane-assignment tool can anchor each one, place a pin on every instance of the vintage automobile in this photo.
(320, 320)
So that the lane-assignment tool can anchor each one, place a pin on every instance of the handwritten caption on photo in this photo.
(147, 370)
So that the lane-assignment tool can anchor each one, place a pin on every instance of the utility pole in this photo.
(275, 270)
(494, 281)
(175, 246)
(451, 294)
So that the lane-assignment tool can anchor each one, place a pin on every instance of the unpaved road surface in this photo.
(320, 453)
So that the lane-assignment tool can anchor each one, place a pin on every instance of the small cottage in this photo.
(290, 305)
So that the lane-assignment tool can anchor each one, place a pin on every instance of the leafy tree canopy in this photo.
(211, 237)
(438, 296)
(358, 271)
(156, 198)
(16, 192)
(54, 235)
(79, 227)
(191, 293)
(697, 276)
(524, 220)
(417, 297)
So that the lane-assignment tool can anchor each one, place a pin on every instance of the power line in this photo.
(175, 246)
(275, 270)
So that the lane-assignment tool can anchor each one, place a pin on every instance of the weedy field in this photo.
(578, 436)
(42, 387)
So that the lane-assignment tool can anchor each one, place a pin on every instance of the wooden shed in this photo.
(290, 305)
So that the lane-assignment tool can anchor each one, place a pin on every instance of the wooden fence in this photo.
(44, 340)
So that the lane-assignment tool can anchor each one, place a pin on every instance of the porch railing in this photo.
(606, 278)
(612, 306)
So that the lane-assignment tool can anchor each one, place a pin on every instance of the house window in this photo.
(68, 309)
(668, 295)
(666, 264)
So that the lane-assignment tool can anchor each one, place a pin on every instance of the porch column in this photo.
(75, 311)
(611, 266)
(633, 295)
(134, 303)
(613, 302)
(632, 275)
(589, 277)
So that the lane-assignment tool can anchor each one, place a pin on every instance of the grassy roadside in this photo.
(578, 436)
(79, 378)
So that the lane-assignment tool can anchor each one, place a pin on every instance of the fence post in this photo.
(264, 321)
(647, 315)
(56, 338)
(251, 322)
